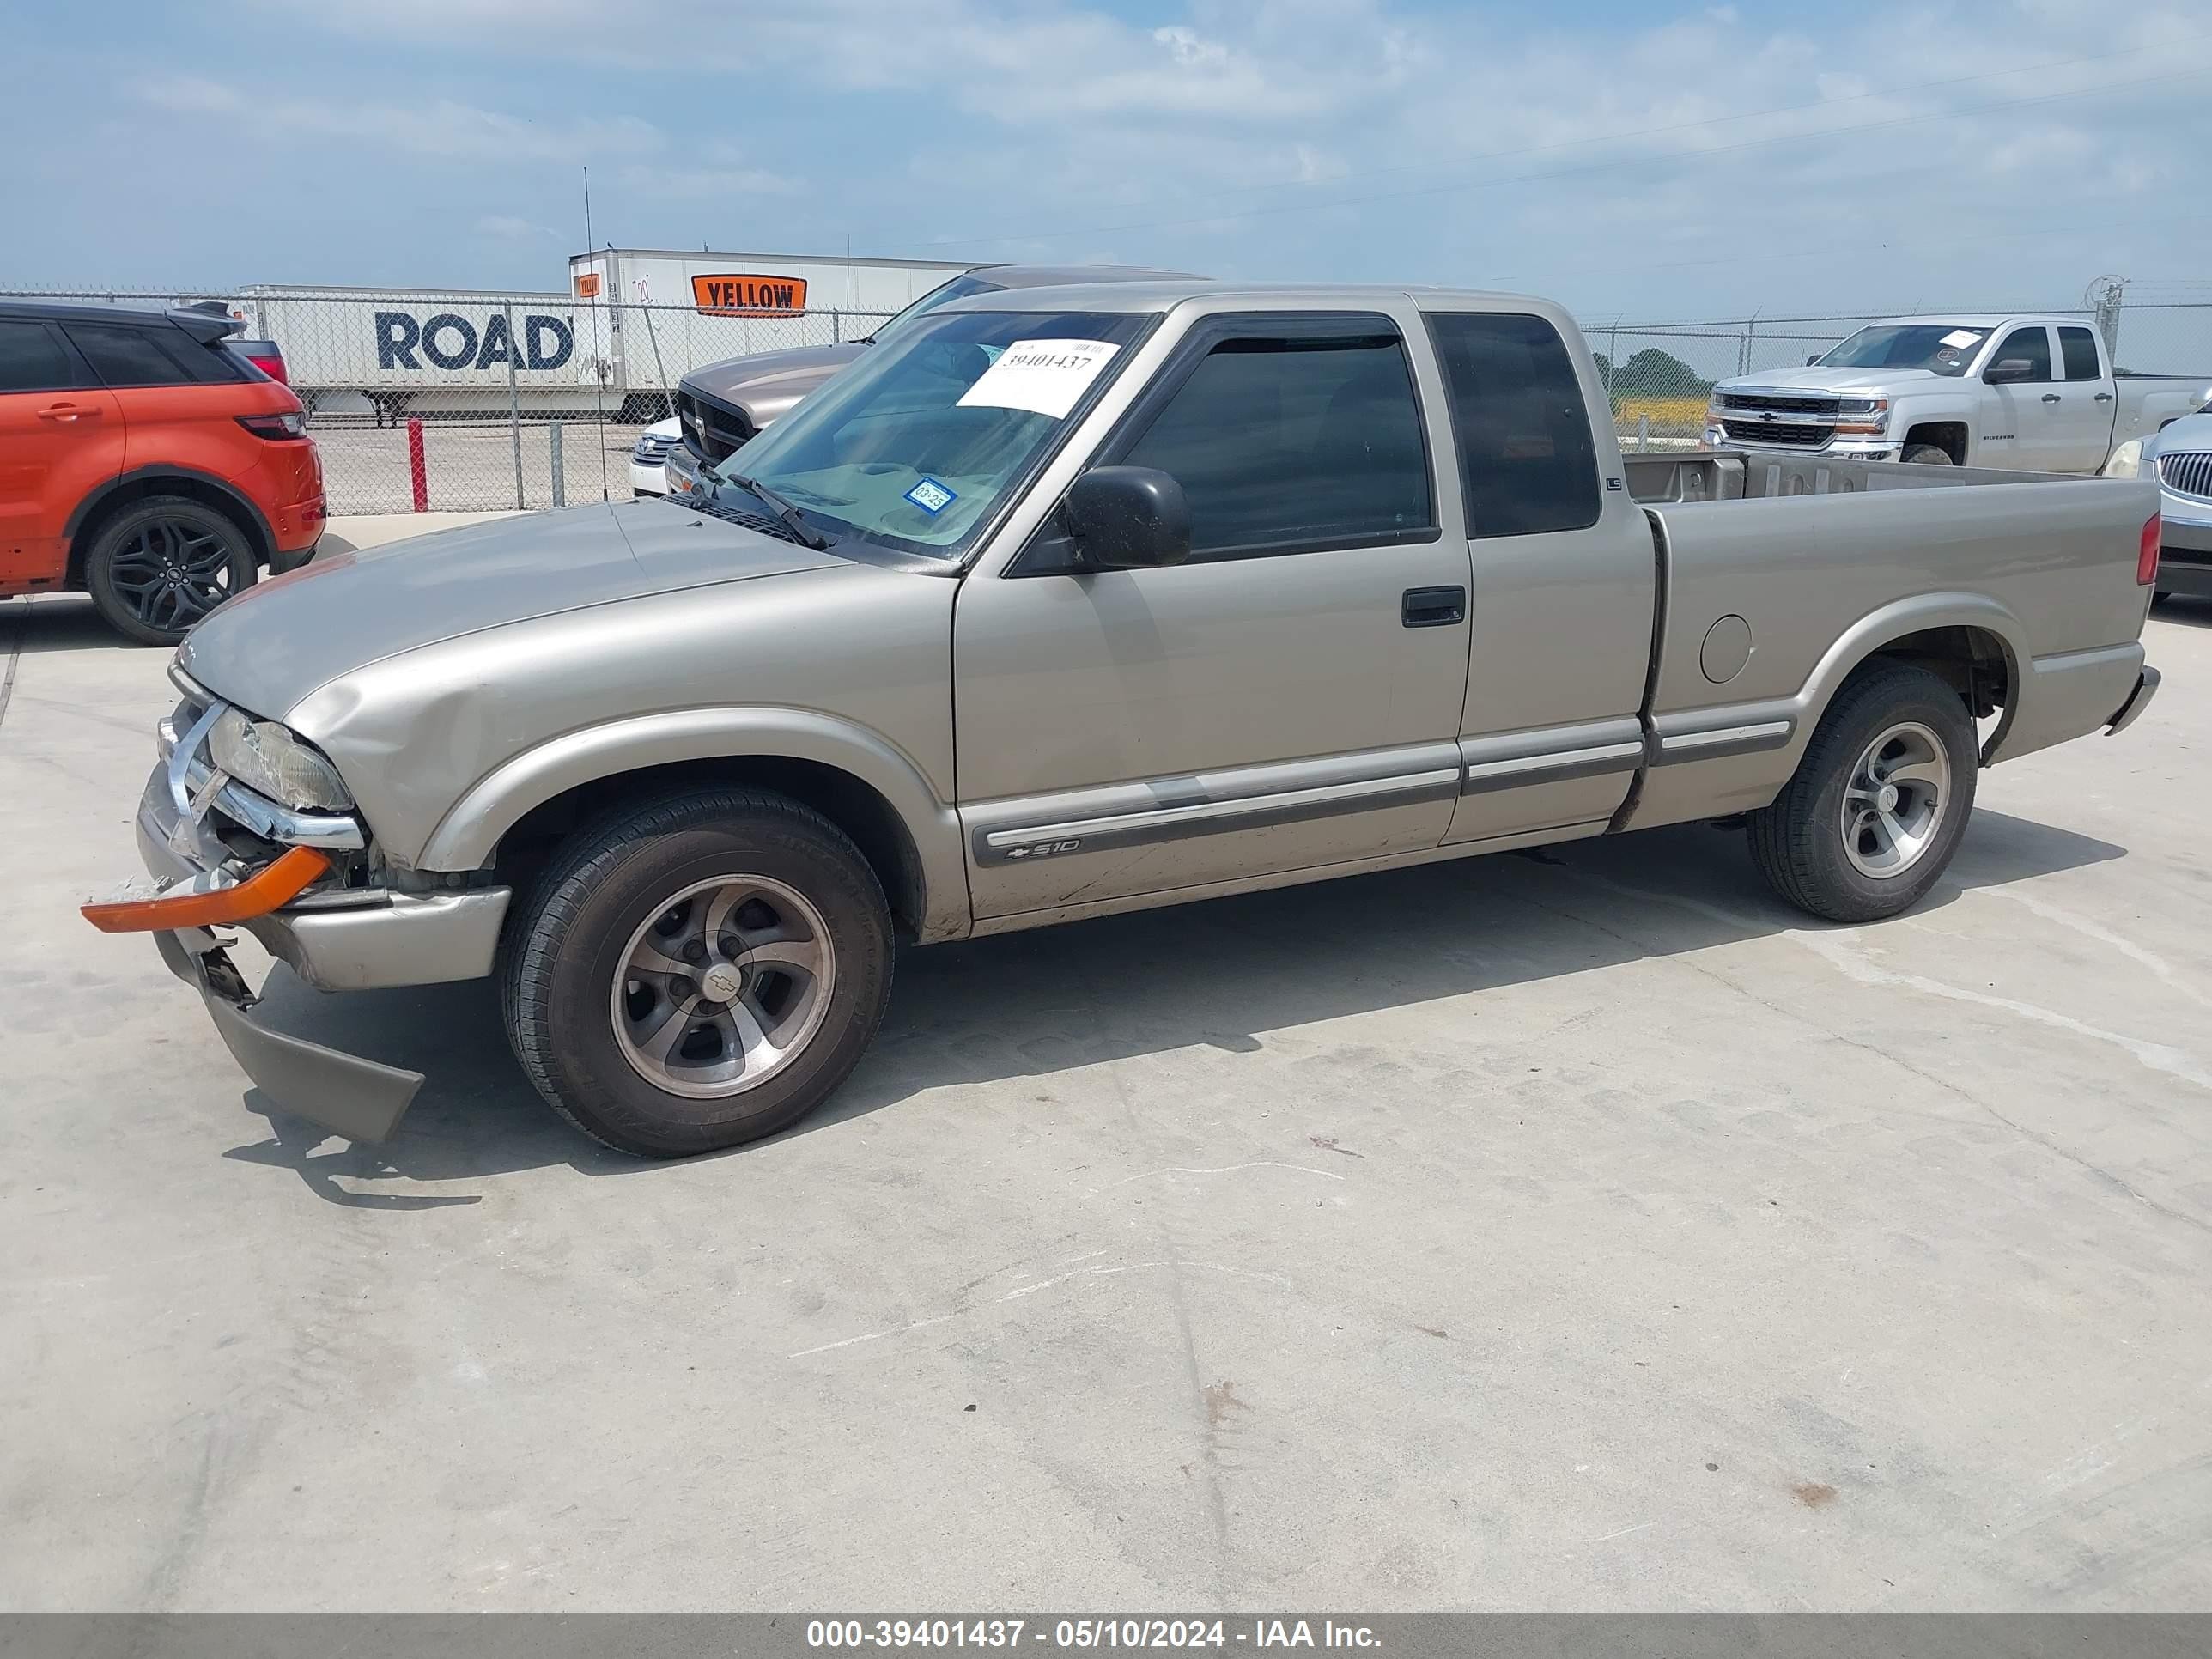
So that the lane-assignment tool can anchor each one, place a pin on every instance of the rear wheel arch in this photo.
(121, 493)
(1974, 644)
(1975, 662)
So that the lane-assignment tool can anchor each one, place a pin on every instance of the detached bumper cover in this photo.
(333, 942)
(346, 1094)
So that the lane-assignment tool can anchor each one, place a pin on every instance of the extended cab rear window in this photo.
(2078, 346)
(1522, 428)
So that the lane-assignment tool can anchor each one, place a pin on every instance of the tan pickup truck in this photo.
(1073, 600)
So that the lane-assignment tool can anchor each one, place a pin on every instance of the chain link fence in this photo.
(453, 401)
(423, 400)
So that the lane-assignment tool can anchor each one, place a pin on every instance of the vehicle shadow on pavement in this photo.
(1030, 1004)
(1216, 974)
(61, 621)
(475, 1115)
(2189, 612)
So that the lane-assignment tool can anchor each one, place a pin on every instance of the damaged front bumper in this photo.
(360, 1099)
(334, 937)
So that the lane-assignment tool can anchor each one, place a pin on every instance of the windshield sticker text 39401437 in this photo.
(1045, 377)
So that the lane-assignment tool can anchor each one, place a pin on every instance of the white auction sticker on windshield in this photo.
(1960, 338)
(1045, 377)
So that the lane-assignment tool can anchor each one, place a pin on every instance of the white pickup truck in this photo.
(2037, 394)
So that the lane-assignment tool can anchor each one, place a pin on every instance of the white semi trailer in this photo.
(631, 323)
(662, 313)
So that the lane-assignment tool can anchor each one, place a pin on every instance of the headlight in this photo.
(266, 757)
(1864, 417)
(2127, 460)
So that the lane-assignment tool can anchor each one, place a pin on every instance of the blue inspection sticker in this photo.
(931, 497)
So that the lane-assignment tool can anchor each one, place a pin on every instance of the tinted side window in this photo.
(123, 356)
(1290, 444)
(2080, 349)
(1523, 431)
(2031, 344)
(31, 359)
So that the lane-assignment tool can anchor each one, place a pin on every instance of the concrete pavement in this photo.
(1576, 1231)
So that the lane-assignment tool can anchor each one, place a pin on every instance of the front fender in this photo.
(466, 835)
(1922, 409)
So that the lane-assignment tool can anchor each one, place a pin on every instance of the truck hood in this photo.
(280, 639)
(1836, 380)
(767, 384)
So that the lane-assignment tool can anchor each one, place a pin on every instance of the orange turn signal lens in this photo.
(273, 886)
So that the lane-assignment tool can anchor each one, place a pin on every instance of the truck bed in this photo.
(1729, 475)
(2039, 568)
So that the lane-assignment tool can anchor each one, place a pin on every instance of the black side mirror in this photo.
(1128, 517)
(1814, 361)
(2007, 370)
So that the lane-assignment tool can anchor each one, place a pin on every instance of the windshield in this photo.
(1941, 347)
(912, 447)
(958, 289)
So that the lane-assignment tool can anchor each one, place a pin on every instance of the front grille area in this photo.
(1804, 434)
(652, 449)
(1782, 403)
(2188, 473)
(715, 432)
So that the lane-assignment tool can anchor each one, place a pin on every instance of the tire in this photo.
(583, 1010)
(161, 564)
(1927, 455)
(1805, 845)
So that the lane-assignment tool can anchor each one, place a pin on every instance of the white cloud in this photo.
(1758, 150)
(443, 127)
(509, 228)
(706, 183)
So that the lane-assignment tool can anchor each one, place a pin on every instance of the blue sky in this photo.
(1657, 161)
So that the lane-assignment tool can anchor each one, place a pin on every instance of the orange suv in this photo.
(145, 461)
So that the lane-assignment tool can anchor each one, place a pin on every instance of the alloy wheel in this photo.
(723, 985)
(171, 573)
(1894, 802)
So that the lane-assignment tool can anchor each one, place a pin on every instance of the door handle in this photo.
(1433, 607)
(69, 412)
(2104, 397)
(2050, 396)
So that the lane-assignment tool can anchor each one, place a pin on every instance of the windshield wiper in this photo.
(804, 533)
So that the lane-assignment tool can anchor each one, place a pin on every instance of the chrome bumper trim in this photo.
(189, 774)
(430, 940)
(354, 940)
